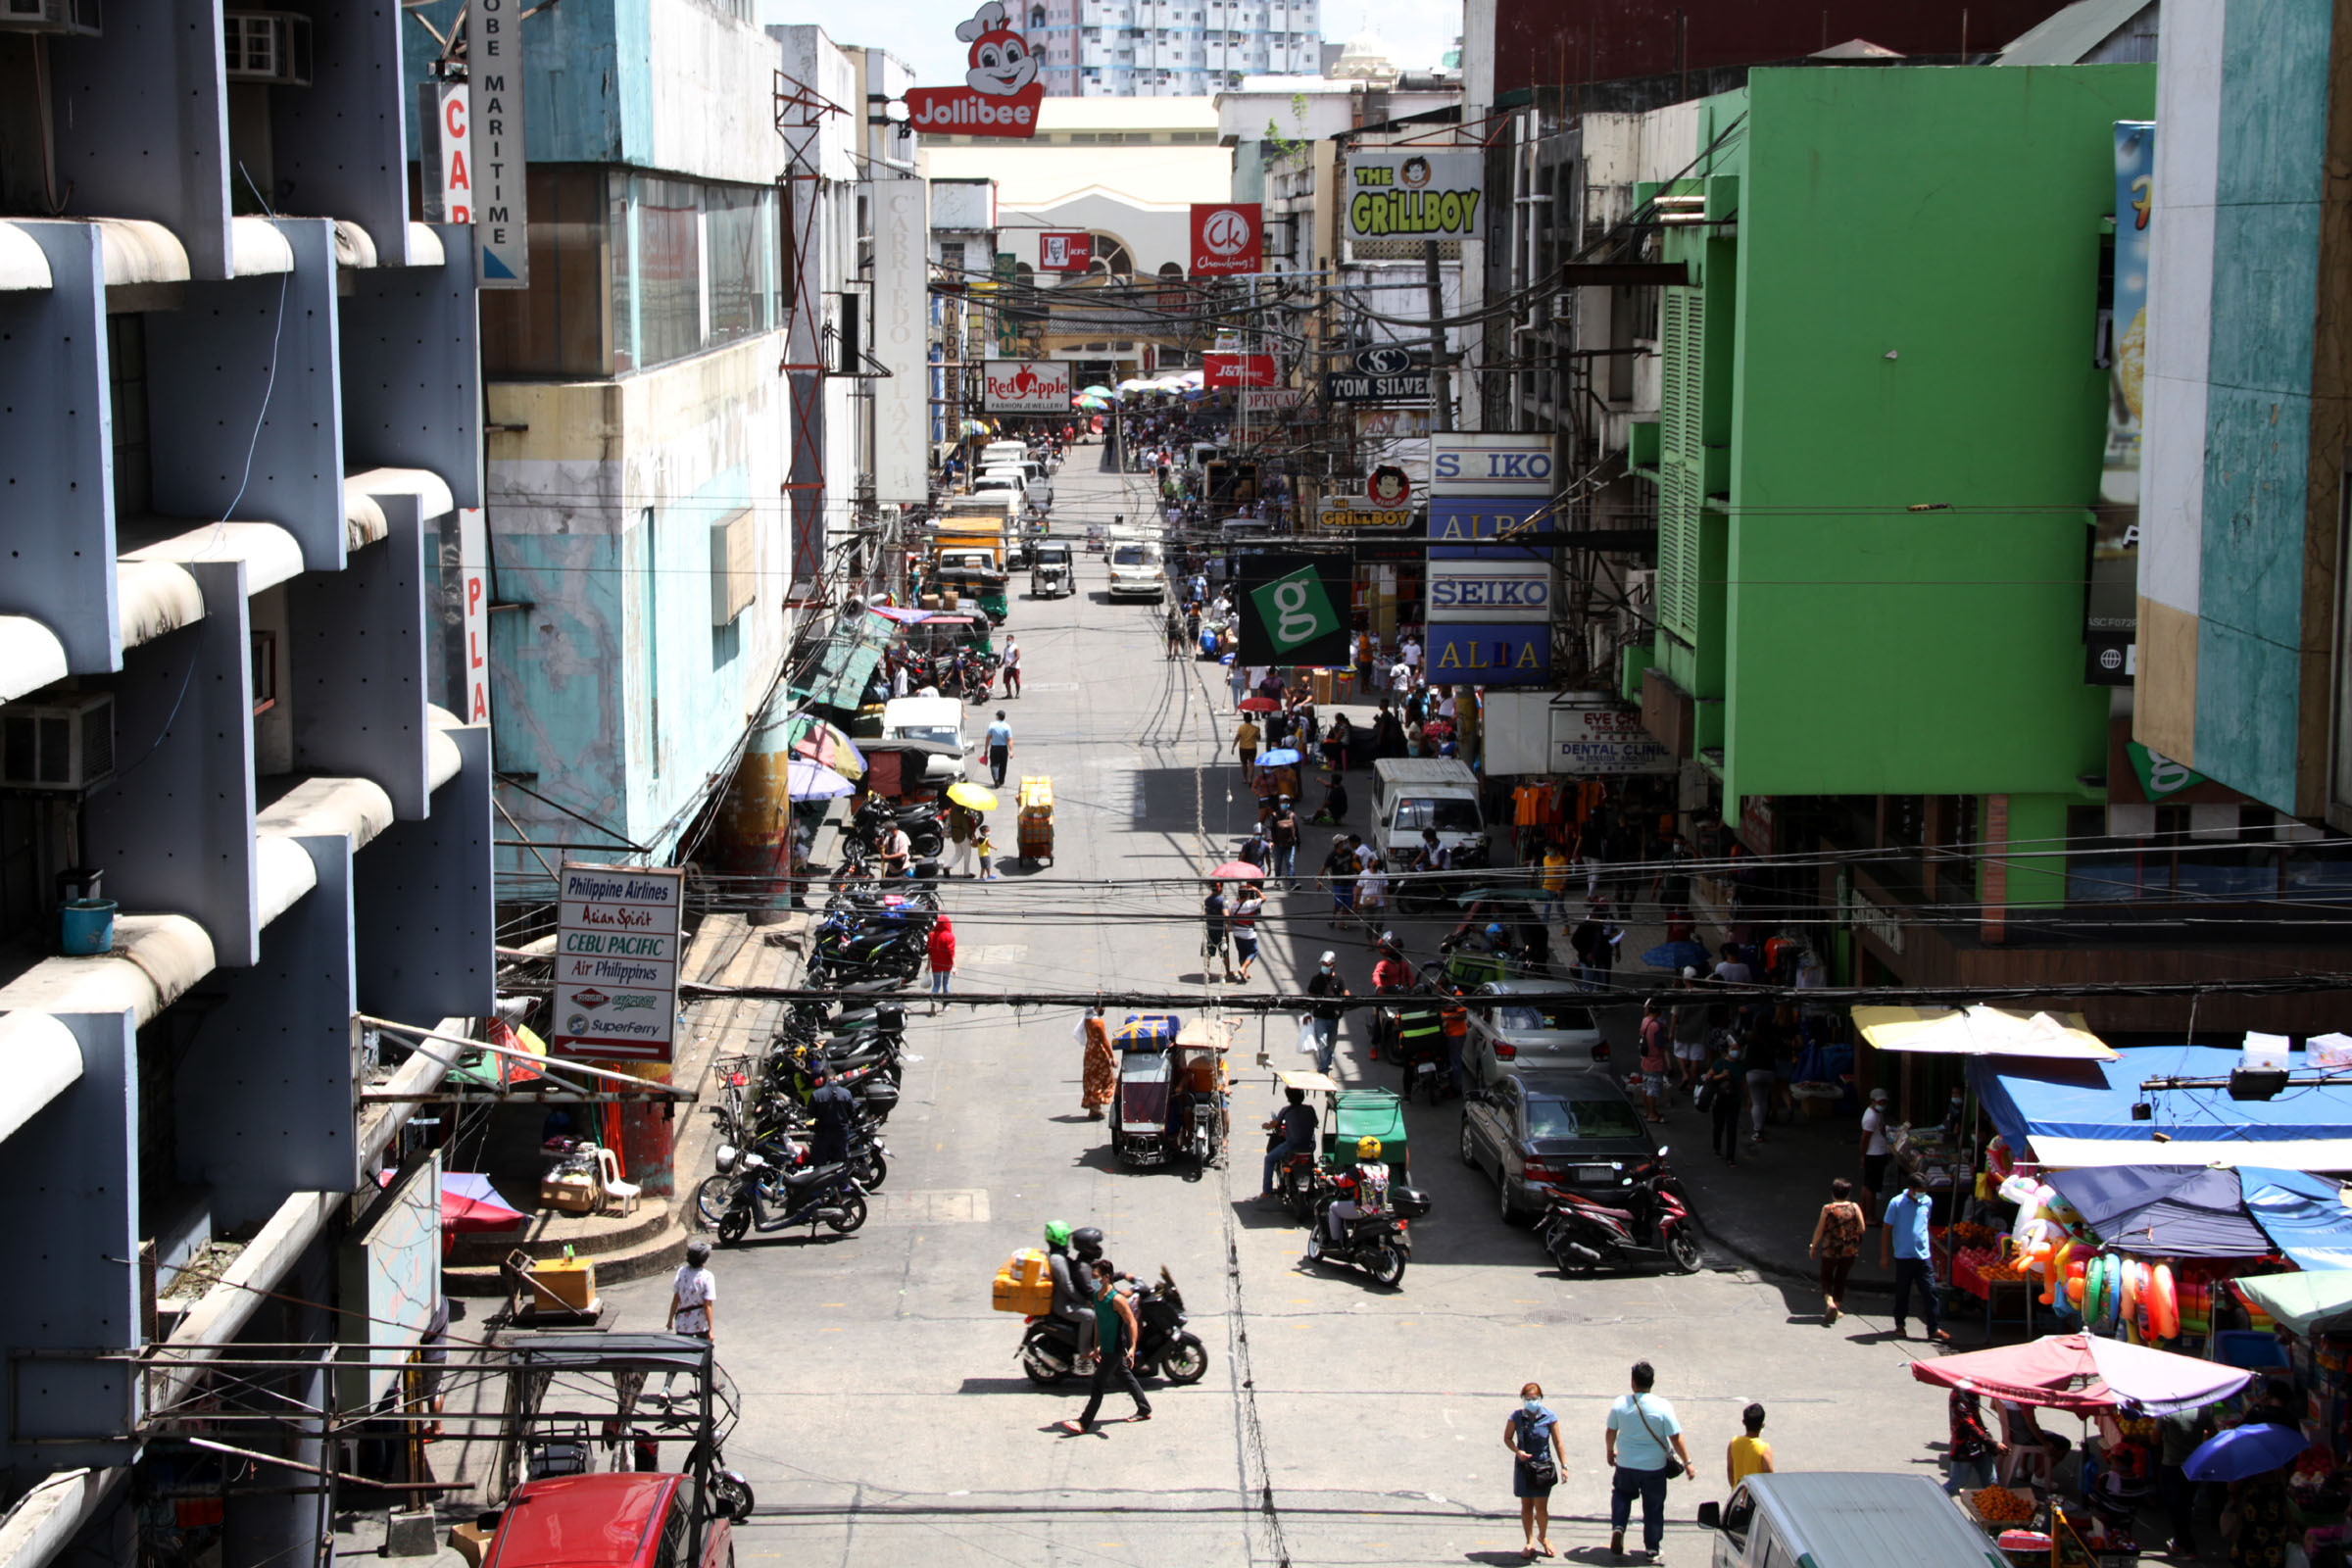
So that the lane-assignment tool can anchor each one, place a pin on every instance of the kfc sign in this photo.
(1225, 239)
(1064, 251)
(1025, 386)
(1237, 371)
(1001, 91)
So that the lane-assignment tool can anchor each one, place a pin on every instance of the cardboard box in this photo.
(571, 1283)
(469, 1542)
(573, 1195)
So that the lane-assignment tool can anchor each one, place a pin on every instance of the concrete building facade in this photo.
(1169, 48)
(235, 658)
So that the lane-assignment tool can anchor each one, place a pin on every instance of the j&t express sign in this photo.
(1406, 194)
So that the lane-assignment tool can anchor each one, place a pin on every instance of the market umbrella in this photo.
(468, 1202)
(1280, 756)
(2083, 1373)
(1094, 391)
(1676, 957)
(828, 744)
(903, 615)
(2314, 1302)
(814, 781)
(1982, 1032)
(1258, 705)
(973, 796)
(1238, 871)
(2237, 1452)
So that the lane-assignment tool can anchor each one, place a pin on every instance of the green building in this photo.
(1881, 432)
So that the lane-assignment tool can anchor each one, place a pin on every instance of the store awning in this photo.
(2304, 1215)
(2081, 1112)
(1982, 1032)
(2081, 1372)
(840, 676)
(2316, 1153)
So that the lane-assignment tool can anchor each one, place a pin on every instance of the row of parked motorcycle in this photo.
(772, 1122)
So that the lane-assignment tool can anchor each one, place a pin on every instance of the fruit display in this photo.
(1999, 1505)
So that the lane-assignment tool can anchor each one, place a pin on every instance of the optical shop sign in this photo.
(1408, 194)
(616, 963)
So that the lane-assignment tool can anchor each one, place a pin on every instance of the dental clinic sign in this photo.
(1000, 92)
(616, 963)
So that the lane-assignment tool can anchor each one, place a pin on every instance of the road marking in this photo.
(998, 952)
(936, 1205)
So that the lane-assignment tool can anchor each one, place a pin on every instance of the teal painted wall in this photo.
(1950, 218)
(588, 95)
(2266, 269)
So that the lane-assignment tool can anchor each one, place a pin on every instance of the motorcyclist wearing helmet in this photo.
(1391, 973)
(1366, 1186)
(1073, 1297)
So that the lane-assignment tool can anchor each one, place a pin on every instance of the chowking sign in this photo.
(616, 963)
(1001, 91)
(1406, 194)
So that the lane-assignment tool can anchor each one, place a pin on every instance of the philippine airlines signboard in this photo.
(1227, 239)
(1402, 194)
(1025, 386)
(1001, 91)
(616, 963)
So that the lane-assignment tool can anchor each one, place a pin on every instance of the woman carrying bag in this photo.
(1539, 1461)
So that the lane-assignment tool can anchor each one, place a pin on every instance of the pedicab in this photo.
(1140, 1130)
(1036, 818)
(1204, 1090)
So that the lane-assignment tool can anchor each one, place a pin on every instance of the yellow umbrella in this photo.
(973, 796)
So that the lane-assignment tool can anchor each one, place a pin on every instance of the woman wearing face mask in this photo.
(1539, 1463)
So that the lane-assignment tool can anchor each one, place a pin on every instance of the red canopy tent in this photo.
(2080, 1373)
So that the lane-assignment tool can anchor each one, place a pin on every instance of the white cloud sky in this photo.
(1414, 33)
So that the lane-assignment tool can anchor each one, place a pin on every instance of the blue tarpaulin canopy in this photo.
(2173, 1210)
(2074, 1114)
(2303, 1215)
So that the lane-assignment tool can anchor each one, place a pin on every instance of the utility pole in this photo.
(1440, 399)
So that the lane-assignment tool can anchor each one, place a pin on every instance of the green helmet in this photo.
(1058, 1233)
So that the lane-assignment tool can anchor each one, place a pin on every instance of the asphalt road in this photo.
(886, 1417)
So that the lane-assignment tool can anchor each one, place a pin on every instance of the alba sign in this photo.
(1025, 386)
(1226, 238)
(1001, 91)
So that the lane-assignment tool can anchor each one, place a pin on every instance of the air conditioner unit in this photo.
(76, 17)
(267, 46)
(57, 746)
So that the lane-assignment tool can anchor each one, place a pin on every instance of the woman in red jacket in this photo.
(943, 958)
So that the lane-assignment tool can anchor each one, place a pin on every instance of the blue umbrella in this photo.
(2238, 1452)
(1676, 956)
(1281, 757)
(814, 781)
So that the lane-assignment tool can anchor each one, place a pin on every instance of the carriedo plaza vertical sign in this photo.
(616, 963)
(493, 92)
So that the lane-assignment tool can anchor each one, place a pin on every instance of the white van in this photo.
(997, 451)
(929, 718)
(1851, 1519)
(1135, 567)
(1411, 793)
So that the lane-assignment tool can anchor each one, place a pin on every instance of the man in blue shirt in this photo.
(1903, 1246)
(999, 750)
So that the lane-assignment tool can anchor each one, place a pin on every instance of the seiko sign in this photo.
(1499, 593)
(1490, 465)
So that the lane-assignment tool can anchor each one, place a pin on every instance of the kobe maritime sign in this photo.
(1000, 92)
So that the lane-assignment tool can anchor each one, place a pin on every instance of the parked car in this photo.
(939, 719)
(626, 1519)
(1536, 1131)
(1834, 1520)
(1507, 1035)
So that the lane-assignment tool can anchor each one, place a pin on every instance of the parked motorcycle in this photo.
(1652, 1225)
(1049, 1350)
(823, 1195)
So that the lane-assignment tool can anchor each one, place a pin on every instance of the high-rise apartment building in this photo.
(1170, 48)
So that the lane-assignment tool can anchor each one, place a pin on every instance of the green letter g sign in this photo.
(1295, 610)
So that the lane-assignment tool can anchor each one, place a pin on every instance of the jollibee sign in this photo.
(1001, 91)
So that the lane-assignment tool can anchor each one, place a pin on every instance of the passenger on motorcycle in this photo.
(1367, 1187)
(1073, 1295)
(1294, 1127)
(1391, 973)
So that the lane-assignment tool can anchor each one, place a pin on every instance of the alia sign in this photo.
(1001, 91)
(1226, 238)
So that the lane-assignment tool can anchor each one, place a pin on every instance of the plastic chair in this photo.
(607, 1177)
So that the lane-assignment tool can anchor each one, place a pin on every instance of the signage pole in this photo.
(1441, 411)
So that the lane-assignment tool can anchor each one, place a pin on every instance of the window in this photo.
(1607, 1120)
(1549, 1019)
(740, 223)
(1446, 814)
(126, 400)
(694, 265)
(1036, 16)
(557, 325)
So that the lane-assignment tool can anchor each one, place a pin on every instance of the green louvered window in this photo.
(1682, 461)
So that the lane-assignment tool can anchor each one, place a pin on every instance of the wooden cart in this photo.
(1036, 818)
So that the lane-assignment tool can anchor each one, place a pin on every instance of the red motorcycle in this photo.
(1649, 1224)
